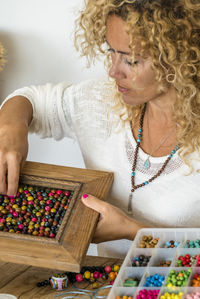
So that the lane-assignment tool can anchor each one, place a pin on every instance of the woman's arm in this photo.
(15, 116)
(113, 223)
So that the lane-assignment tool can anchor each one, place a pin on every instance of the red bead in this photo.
(96, 275)
(108, 269)
(79, 277)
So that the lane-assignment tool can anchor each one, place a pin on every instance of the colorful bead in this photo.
(150, 294)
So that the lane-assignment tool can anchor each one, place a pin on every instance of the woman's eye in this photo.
(130, 63)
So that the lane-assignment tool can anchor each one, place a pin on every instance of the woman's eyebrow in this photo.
(118, 51)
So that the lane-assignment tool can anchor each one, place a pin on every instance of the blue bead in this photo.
(133, 173)
(140, 130)
(173, 152)
(139, 135)
(176, 147)
(138, 140)
(146, 183)
(170, 156)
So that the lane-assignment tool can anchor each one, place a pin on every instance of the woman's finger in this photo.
(14, 162)
(3, 171)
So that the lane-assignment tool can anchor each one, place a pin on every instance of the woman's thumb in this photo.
(93, 203)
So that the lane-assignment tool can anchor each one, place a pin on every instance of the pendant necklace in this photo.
(139, 138)
(147, 163)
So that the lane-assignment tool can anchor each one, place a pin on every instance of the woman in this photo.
(143, 125)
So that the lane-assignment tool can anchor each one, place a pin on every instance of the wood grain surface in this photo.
(21, 280)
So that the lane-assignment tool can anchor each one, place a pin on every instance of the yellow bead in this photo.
(30, 198)
(116, 268)
(20, 190)
(87, 274)
(53, 210)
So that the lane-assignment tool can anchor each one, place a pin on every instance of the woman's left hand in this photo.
(113, 223)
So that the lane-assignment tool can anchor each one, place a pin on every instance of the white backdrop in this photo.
(38, 37)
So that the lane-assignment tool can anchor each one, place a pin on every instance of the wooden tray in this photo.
(67, 250)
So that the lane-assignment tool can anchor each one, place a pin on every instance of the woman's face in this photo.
(144, 87)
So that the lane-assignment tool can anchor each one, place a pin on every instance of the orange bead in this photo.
(112, 275)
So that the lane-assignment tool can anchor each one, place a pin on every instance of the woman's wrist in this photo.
(132, 227)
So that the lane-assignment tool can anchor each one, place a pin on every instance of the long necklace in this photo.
(147, 163)
(139, 137)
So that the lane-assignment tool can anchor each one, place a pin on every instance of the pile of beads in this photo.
(148, 242)
(171, 295)
(196, 280)
(140, 261)
(192, 244)
(155, 280)
(178, 279)
(187, 260)
(171, 244)
(93, 274)
(150, 294)
(36, 211)
(164, 263)
(124, 297)
(131, 282)
(195, 295)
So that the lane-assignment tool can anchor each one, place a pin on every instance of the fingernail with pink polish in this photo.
(85, 195)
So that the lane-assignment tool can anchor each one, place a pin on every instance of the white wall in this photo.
(38, 36)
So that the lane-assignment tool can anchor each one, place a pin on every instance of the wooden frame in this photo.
(67, 250)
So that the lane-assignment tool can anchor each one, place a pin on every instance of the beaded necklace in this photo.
(139, 137)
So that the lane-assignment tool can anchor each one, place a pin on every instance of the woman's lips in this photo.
(122, 89)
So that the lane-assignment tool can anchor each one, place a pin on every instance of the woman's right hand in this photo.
(14, 119)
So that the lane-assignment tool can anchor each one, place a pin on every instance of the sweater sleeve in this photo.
(49, 117)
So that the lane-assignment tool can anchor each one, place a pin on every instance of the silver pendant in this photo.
(147, 163)
(130, 204)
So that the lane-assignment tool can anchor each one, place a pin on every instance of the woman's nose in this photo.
(116, 71)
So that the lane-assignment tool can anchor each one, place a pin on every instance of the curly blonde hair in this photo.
(2, 57)
(170, 31)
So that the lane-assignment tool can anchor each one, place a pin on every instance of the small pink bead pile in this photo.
(147, 294)
(195, 295)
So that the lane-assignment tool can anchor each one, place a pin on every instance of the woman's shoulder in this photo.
(92, 89)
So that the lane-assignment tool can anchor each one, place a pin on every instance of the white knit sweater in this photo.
(81, 111)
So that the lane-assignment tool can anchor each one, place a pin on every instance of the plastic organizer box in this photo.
(158, 254)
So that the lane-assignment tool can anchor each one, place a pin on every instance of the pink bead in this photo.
(15, 214)
(52, 235)
(100, 275)
(34, 219)
(26, 191)
(79, 277)
(108, 269)
(48, 202)
(18, 194)
(2, 220)
(20, 226)
(50, 194)
(47, 208)
(11, 196)
(40, 197)
(111, 282)
(59, 192)
(30, 202)
(96, 275)
(12, 200)
(67, 193)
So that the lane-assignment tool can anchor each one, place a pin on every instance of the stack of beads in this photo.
(148, 242)
(164, 263)
(187, 260)
(171, 295)
(36, 211)
(140, 261)
(150, 294)
(171, 244)
(192, 244)
(194, 295)
(155, 280)
(131, 282)
(178, 279)
(196, 280)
